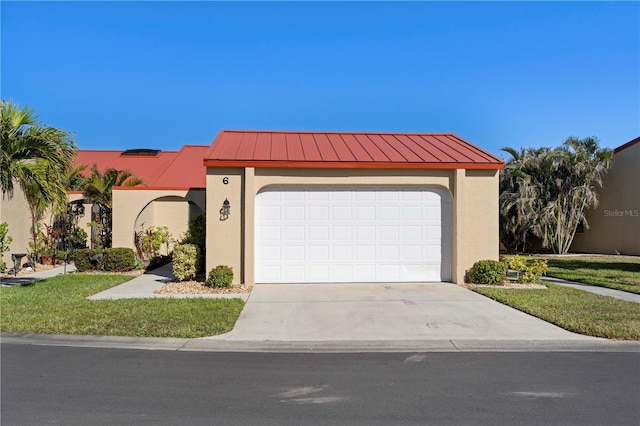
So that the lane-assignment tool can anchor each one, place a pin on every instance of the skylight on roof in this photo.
(142, 151)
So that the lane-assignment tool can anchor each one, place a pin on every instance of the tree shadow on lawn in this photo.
(574, 264)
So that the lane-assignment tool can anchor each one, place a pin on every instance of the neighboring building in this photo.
(316, 207)
(173, 192)
(614, 226)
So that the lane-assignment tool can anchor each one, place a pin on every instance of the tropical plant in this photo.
(98, 188)
(5, 240)
(78, 238)
(74, 178)
(33, 155)
(545, 191)
(100, 237)
(149, 241)
(36, 157)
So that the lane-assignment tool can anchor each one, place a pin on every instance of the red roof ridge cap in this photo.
(336, 132)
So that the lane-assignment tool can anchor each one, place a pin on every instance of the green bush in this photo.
(118, 259)
(531, 269)
(88, 259)
(79, 238)
(534, 269)
(517, 263)
(196, 234)
(186, 259)
(220, 276)
(488, 272)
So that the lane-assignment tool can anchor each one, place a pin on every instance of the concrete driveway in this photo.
(377, 312)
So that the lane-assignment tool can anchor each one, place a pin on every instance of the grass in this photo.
(574, 310)
(59, 306)
(616, 272)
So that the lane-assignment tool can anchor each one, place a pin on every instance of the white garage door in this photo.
(306, 235)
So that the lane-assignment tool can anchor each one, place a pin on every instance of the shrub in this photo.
(88, 259)
(220, 276)
(533, 271)
(118, 259)
(186, 259)
(196, 234)
(517, 263)
(488, 272)
(78, 238)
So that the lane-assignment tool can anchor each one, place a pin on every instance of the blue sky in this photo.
(125, 75)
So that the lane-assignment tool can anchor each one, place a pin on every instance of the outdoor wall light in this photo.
(224, 211)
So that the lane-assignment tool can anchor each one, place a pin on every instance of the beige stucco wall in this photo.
(168, 208)
(225, 235)
(15, 212)
(614, 226)
(477, 215)
(231, 242)
(172, 212)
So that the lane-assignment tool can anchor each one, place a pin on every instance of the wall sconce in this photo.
(224, 211)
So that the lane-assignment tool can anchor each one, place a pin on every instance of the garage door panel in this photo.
(341, 213)
(352, 235)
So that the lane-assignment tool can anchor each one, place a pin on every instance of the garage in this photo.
(349, 207)
(352, 234)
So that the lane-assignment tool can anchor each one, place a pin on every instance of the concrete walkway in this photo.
(144, 286)
(603, 291)
(36, 276)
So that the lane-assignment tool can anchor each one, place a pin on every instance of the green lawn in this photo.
(59, 306)
(574, 310)
(617, 272)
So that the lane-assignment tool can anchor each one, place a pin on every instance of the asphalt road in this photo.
(85, 386)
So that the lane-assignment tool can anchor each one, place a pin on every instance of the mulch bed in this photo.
(198, 287)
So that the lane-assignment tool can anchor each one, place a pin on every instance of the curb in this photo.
(221, 345)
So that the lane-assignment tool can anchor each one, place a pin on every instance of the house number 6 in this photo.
(225, 180)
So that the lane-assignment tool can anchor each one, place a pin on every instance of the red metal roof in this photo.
(232, 148)
(168, 170)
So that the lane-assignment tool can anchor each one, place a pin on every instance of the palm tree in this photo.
(35, 157)
(74, 178)
(575, 171)
(99, 185)
(31, 154)
(545, 191)
(99, 189)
